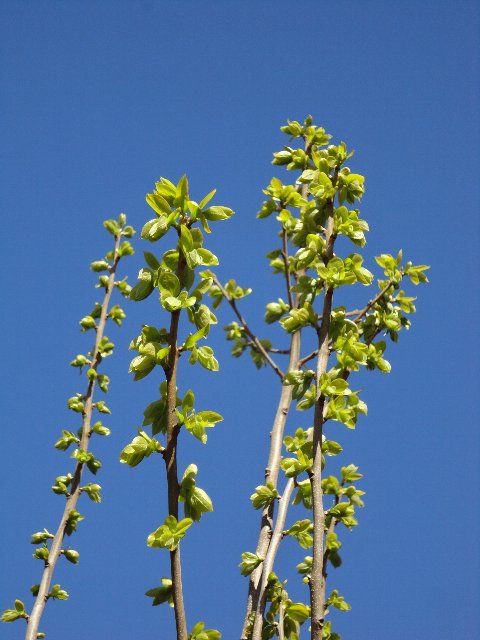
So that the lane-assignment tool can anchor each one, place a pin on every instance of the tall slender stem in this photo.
(275, 454)
(270, 557)
(317, 582)
(170, 457)
(271, 475)
(72, 499)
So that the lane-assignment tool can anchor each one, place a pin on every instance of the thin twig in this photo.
(284, 352)
(374, 301)
(286, 263)
(250, 334)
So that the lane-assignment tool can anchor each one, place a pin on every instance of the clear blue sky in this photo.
(98, 100)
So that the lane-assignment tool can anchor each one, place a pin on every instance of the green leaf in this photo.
(99, 265)
(151, 260)
(72, 522)
(197, 423)
(350, 473)
(204, 355)
(71, 555)
(217, 213)
(158, 204)
(169, 534)
(263, 495)
(338, 601)
(200, 633)
(142, 365)
(100, 429)
(196, 500)
(57, 593)
(207, 198)
(193, 338)
(275, 310)
(161, 594)
(154, 229)
(144, 286)
(297, 611)
(93, 491)
(249, 563)
(181, 193)
(168, 283)
(300, 530)
(142, 446)
(41, 536)
(9, 615)
(66, 440)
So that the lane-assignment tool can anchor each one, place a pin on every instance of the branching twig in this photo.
(250, 334)
(374, 301)
(358, 315)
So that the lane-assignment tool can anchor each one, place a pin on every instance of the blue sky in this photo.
(98, 100)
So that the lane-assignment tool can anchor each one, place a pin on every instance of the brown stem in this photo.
(286, 263)
(330, 530)
(170, 457)
(258, 345)
(362, 312)
(269, 561)
(317, 583)
(72, 499)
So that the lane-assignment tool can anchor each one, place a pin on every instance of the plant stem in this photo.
(257, 344)
(72, 498)
(317, 582)
(287, 267)
(170, 457)
(271, 475)
(269, 561)
(276, 440)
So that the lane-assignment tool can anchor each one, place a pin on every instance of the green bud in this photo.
(99, 265)
(87, 323)
(71, 555)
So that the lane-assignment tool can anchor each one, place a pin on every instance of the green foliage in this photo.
(200, 633)
(249, 563)
(68, 485)
(141, 446)
(196, 501)
(161, 594)
(300, 530)
(314, 208)
(18, 611)
(169, 534)
(182, 289)
(264, 495)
